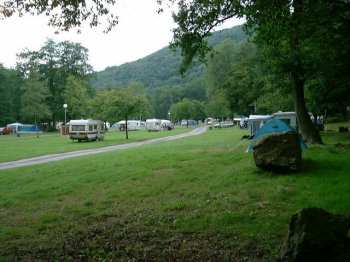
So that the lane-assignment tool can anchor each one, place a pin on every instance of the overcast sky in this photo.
(140, 32)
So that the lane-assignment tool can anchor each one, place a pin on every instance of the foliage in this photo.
(218, 106)
(33, 100)
(121, 104)
(10, 93)
(290, 34)
(235, 70)
(76, 97)
(163, 97)
(55, 62)
(64, 14)
(187, 109)
(160, 68)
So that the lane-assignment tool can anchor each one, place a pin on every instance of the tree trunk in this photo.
(126, 128)
(308, 130)
(306, 127)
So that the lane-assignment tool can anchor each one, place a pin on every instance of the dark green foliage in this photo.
(162, 67)
(295, 37)
(76, 96)
(64, 14)
(187, 109)
(235, 71)
(10, 92)
(54, 63)
(33, 100)
(124, 103)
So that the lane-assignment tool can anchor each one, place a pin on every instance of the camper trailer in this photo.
(290, 118)
(133, 125)
(166, 125)
(153, 124)
(255, 122)
(86, 129)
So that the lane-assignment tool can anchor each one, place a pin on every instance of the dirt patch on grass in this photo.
(115, 240)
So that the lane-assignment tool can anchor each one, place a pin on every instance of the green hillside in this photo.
(161, 67)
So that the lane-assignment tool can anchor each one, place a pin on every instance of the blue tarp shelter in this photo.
(273, 126)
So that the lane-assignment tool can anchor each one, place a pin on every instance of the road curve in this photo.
(61, 156)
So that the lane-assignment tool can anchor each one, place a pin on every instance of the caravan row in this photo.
(89, 129)
(149, 124)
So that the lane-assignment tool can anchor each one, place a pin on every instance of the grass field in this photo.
(199, 198)
(14, 148)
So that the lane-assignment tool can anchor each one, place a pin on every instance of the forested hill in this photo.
(160, 68)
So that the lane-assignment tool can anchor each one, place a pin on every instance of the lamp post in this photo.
(65, 113)
(169, 114)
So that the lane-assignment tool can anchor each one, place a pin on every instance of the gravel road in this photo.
(94, 151)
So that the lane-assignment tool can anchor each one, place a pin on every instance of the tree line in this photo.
(235, 81)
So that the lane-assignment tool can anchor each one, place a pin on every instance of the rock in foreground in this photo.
(316, 235)
(278, 151)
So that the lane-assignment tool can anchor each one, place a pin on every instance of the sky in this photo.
(140, 32)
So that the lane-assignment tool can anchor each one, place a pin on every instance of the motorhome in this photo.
(153, 124)
(86, 129)
(166, 124)
(133, 125)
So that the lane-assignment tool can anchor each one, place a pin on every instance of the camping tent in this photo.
(273, 126)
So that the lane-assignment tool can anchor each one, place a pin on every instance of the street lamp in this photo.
(65, 113)
(169, 114)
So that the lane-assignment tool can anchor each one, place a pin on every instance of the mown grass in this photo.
(14, 148)
(191, 197)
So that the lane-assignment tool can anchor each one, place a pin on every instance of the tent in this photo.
(273, 126)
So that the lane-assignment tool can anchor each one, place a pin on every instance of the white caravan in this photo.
(153, 124)
(166, 124)
(289, 118)
(86, 129)
(133, 125)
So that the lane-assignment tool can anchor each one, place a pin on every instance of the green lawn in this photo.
(14, 148)
(198, 198)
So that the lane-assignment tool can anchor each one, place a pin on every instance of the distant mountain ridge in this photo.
(161, 67)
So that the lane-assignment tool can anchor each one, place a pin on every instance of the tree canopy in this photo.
(64, 14)
(288, 33)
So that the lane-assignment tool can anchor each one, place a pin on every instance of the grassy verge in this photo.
(14, 148)
(198, 198)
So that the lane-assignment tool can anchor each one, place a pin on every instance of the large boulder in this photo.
(316, 235)
(278, 151)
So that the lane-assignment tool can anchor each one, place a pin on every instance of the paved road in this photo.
(94, 151)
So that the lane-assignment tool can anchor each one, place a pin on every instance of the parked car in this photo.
(5, 131)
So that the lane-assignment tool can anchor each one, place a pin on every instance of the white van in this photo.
(153, 124)
(86, 129)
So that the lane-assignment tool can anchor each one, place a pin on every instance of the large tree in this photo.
(55, 62)
(125, 103)
(76, 97)
(187, 109)
(33, 100)
(10, 94)
(286, 31)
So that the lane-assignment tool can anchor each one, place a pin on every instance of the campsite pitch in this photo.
(199, 198)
